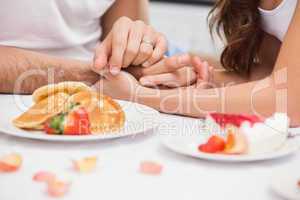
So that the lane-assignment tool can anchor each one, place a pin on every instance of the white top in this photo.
(69, 28)
(276, 22)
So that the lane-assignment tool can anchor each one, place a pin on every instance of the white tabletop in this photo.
(117, 175)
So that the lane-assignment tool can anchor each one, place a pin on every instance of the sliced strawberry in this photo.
(206, 148)
(48, 129)
(214, 144)
(77, 123)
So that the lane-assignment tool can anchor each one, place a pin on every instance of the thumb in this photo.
(103, 51)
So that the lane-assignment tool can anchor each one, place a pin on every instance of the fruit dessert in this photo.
(244, 134)
(71, 108)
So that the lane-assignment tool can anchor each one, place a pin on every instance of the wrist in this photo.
(81, 71)
(148, 96)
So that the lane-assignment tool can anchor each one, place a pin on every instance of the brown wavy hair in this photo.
(238, 22)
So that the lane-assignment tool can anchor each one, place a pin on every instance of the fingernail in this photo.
(114, 70)
(146, 64)
(146, 82)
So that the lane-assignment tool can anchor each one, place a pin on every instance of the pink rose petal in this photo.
(44, 176)
(151, 168)
(57, 188)
(85, 165)
(10, 162)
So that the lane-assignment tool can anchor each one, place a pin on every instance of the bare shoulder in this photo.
(270, 4)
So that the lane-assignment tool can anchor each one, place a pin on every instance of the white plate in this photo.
(187, 144)
(139, 119)
(285, 185)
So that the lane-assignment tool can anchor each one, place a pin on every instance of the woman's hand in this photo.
(129, 43)
(122, 86)
(176, 71)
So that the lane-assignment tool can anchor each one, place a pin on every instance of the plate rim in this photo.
(105, 136)
(236, 158)
(273, 186)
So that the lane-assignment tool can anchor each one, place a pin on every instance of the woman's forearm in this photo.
(22, 71)
(258, 72)
(260, 98)
(223, 78)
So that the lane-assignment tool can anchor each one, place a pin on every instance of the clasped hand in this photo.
(138, 49)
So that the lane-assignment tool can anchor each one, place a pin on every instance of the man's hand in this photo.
(176, 71)
(129, 43)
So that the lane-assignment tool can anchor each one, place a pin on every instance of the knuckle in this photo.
(150, 29)
(158, 54)
(131, 51)
(171, 63)
(139, 23)
(124, 19)
(162, 39)
(153, 58)
(116, 57)
(121, 22)
(119, 43)
(146, 51)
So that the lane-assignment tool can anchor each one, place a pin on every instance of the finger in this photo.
(101, 55)
(168, 65)
(146, 47)
(160, 49)
(119, 43)
(183, 77)
(204, 76)
(145, 52)
(211, 74)
(134, 42)
(160, 79)
(202, 69)
(106, 74)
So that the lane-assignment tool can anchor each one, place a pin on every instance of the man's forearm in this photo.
(23, 71)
